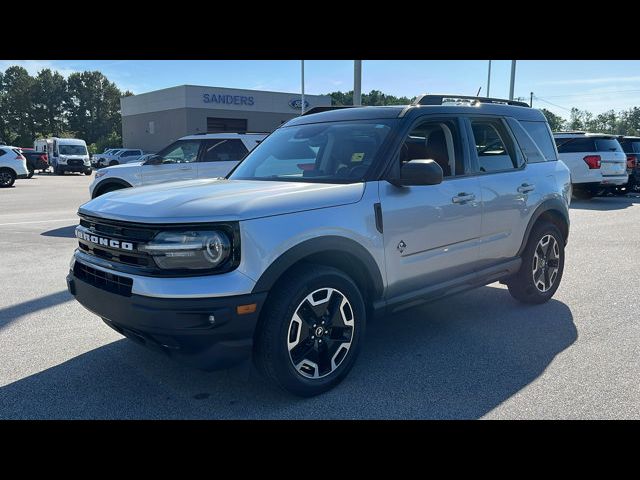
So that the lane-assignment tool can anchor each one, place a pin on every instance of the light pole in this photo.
(489, 80)
(302, 88)
(357, 82)
(513, 79)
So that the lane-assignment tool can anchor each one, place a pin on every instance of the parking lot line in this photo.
(40, 221)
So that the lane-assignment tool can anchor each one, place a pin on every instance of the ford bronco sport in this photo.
(340, 215)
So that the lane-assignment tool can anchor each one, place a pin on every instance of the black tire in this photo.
(58, 171)
(88, 172)
(7, 177)
(108, 188)
(112, 163)
(276, 326)
(583, 193)
(31, 172)
(522, 286)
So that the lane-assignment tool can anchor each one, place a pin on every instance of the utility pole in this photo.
(513, 79)
(357, 82)
(489, 81)
(531, 100)
(302, 89)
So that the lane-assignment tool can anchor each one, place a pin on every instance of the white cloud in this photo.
(591, 81)
(34, 66)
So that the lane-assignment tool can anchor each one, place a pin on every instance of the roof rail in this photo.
(433, 99)
(326, 109)
(571, 132)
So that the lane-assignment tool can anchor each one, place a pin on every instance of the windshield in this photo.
(339, 152)
(72, 149)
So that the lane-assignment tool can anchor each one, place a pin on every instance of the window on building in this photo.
(217, 125)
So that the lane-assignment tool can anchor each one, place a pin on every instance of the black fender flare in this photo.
(555, 205)
(318, 245)
(116, 181)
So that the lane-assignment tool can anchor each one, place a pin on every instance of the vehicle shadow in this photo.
(9, 314)
(63, 232)
(605, 203)
(456, 358)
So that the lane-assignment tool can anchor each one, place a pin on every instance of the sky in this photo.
(558, 85)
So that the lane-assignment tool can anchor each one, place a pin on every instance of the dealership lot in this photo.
(474, 355)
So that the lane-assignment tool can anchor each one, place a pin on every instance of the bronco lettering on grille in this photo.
(106, 242)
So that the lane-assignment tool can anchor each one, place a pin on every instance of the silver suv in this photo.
(336, 217)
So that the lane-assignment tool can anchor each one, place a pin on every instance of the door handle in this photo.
(526, 188)
(185, 168)
(463, 197)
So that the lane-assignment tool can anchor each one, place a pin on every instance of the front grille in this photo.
(103, 280)
(75, 163)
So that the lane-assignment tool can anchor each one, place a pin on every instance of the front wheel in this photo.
(542, 266)
(88, 172)
(31, 172)
(310, 332)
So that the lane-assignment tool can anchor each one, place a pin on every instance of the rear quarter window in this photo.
(574, 145)
(541, 135)
(608, 145)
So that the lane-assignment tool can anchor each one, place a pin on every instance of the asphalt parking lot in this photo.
(475, 355)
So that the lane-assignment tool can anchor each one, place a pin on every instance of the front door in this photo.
(431, 232)
(178, 162)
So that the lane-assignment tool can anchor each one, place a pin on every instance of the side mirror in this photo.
(419, 172)
(155, 160)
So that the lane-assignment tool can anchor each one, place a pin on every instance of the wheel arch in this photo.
(339, 252)
(553, 210)
(109, 181)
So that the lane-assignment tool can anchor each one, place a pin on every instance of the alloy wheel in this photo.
(320, 333)
(5, 178)
(546, 263)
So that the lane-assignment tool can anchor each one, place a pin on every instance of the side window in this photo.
(435, 140)
(541, 135)
(575, 145)
(2, 152)
(223, 150)
(130, 153)
(494, 146)
(182, 151)
(527, 144)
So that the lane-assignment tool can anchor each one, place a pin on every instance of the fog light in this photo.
(244, 309)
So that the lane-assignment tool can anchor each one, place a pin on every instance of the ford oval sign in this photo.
(296, 104)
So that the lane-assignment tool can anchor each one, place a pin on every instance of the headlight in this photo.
(191, 250)
(101, 173)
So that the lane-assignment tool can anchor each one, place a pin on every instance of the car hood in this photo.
(120, 166)
(210, 200)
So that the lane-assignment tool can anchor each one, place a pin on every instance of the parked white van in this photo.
(65, 154)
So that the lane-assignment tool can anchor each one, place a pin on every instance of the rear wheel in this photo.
(542, 266)
(59, 171)
(88, 172)
(7, 177)
(112, 163)
(310, 332)
(583, 193)
(31, 171)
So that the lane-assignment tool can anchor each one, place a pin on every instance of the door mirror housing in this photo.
(419, 172)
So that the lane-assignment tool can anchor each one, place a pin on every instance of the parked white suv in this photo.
(12, 165)
(596, 161)
(120, 156)
(195, 156)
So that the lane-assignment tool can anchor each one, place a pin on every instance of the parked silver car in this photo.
(337, 216)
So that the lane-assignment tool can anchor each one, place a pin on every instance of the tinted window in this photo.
(635, 147)
(494, 147)
(338, 152)
(541, 134)
(608, 145)
(2, 152)
(437, 141)
(223, 150)
(72, 149)
(182, 151)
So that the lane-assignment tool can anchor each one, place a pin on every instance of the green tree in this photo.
(94, 106)
(374, 97)
(50, 102)
(556, 122)
(17, 107)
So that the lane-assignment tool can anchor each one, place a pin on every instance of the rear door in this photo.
(178, 162)
(219, 156)
(613, 158)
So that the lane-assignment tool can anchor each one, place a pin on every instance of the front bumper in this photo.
(179, 327)
(74, 168)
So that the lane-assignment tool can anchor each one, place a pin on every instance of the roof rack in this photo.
(431, 99)
(571, 132)
(327, 108)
